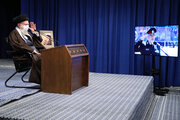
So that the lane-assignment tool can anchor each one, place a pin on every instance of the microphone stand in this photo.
(162, 49)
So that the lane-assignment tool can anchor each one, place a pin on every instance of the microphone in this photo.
(156, 43)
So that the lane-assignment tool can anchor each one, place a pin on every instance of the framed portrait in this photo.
(48, 38)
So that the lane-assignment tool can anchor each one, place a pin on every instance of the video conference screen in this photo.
(157, 40)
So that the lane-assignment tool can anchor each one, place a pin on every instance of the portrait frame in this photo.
(47, 38)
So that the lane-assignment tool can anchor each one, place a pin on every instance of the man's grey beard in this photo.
(24, 32)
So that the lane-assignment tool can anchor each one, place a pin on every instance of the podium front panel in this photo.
(63, 72)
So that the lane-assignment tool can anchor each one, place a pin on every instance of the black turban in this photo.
(20, 19)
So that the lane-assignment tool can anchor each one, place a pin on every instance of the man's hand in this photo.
(32, 27)
(35, 52)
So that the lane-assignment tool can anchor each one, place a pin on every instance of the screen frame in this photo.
(164, 27)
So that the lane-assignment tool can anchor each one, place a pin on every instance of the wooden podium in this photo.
(64, 69)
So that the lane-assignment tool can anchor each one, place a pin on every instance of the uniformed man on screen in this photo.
(147, 47)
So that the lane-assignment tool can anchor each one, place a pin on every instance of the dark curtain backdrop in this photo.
(107, 27)
(7, 12)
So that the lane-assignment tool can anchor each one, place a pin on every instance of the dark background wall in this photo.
(8, 10)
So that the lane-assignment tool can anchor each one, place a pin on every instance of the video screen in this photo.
(157, 40)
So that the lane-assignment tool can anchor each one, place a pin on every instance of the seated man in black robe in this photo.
(21, 40)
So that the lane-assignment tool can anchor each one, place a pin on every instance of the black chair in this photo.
(21, 65)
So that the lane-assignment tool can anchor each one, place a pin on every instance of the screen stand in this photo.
(157, 72)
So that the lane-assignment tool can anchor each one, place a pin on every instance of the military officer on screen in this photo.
(147, 46)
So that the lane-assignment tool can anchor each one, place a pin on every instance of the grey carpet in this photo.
(165, 107)
(11, 94)
(108, 97)
(45, 105)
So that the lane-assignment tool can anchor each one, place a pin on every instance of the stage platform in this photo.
(108, 97)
